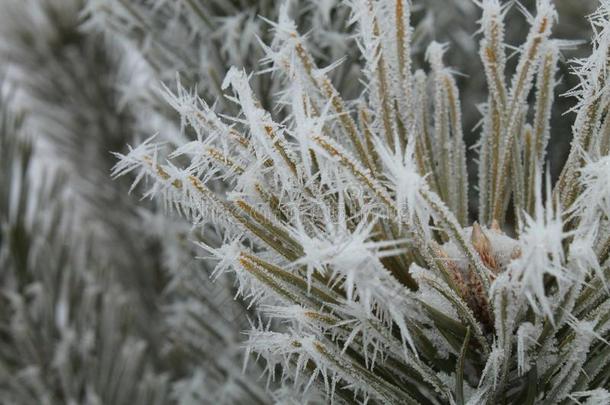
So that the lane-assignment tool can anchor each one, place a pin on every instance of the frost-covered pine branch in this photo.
(345, 222)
